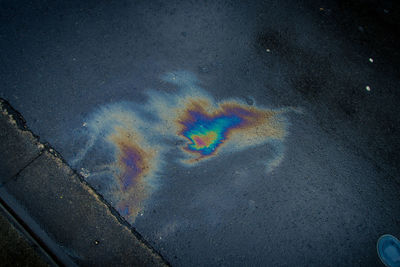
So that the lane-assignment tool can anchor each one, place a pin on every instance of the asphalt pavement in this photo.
(260, 133)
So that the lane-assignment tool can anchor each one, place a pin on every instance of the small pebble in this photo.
(268, 50)
(204, 69)
(96, 242)
(249, 101)
(371, 60)
(368, 88)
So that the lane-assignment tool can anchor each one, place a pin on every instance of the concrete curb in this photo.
(76, 224)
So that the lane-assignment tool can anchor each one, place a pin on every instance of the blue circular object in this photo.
(388, 248)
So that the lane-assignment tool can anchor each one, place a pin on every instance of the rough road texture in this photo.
(336, 189)
(80, 223)
(15, 249)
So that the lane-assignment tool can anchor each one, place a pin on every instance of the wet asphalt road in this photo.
(337, 188)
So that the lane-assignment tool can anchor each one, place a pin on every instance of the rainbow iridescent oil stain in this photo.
(207, 127)
(206, 133)
(134, 164)
(125, 144)
(118, 161)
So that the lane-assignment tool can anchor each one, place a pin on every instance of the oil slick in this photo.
(207, 127)
(124, 152)
(121, 164)
(134, 165)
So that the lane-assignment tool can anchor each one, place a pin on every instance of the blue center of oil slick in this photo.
(206, 133)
